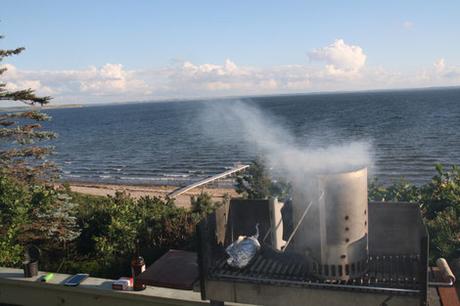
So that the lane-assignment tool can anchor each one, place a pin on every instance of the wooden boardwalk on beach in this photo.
(210, 179)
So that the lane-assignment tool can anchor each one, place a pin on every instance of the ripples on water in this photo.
(164, 143)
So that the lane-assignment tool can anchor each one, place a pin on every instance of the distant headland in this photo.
(35, 107)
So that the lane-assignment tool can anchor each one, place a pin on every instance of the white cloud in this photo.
(345, 69)
(17, 81)
(445, 72)
(298, 84)
(408, 25)
(440, 65)
(228, 69)
(110, 80)
(341, 59)
(269, 84)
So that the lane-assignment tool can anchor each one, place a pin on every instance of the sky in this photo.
(119, 51)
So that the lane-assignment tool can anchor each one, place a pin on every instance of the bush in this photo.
(92, 234)
(14, 207)
(34, 214)
(256, 183)
(444, 232)
(203, 204)
(110, 227)
(442, 193)
(400, 191)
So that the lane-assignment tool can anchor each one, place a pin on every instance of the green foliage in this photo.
(443, 192)
(280, 189)
(110, 226)
(27, 95)
(203, 204)
(256, 183)
(163, 225)
(52, 216)
(93, 234)
(14, 207)
(444, 231)
(440, 204)
(119, 231)
(400, 191)
(37, 214)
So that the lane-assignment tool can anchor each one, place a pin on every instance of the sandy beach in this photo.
(159, 191)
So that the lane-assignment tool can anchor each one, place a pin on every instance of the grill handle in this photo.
(446, 273)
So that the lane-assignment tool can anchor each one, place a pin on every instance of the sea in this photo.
(169, 143)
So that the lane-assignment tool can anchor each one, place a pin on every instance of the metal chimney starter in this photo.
(334, 234)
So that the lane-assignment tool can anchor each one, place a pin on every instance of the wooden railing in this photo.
(17, 290)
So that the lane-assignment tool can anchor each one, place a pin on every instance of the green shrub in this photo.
(444, 231)
(400, 191)
(203, 204)
(442, 193)
(110, 227)
(34, 214)
(14, 207)
(256, 183)
(163, 225)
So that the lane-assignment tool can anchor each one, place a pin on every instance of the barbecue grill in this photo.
(393, 272)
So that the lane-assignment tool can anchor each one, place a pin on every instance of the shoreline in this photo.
(137, 191)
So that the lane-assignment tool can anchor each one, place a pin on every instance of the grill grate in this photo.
(396, 233)
(399, 274)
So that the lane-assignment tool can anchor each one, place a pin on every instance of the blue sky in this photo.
(121, 50)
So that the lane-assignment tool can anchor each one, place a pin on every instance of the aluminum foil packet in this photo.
(243, 250)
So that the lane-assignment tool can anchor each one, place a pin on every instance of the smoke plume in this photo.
(288, 156)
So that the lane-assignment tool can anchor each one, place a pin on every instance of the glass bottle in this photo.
(137, 267)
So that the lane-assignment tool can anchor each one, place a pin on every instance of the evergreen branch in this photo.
(26, 134)
(33, 115)
(30, 127)
(21, 160)
(26, 96)
(6, 123)
(35, 152)
(5, 53)
(28, 173)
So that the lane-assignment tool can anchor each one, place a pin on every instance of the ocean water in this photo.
(167, 142)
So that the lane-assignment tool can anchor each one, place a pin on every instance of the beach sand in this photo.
(159, 191)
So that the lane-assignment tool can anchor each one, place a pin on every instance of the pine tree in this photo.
(20, 132)
(32, 211)
(255, 182)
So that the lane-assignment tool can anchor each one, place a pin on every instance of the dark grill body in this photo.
(395, 270)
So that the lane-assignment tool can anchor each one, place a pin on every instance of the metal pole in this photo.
(300, 222)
